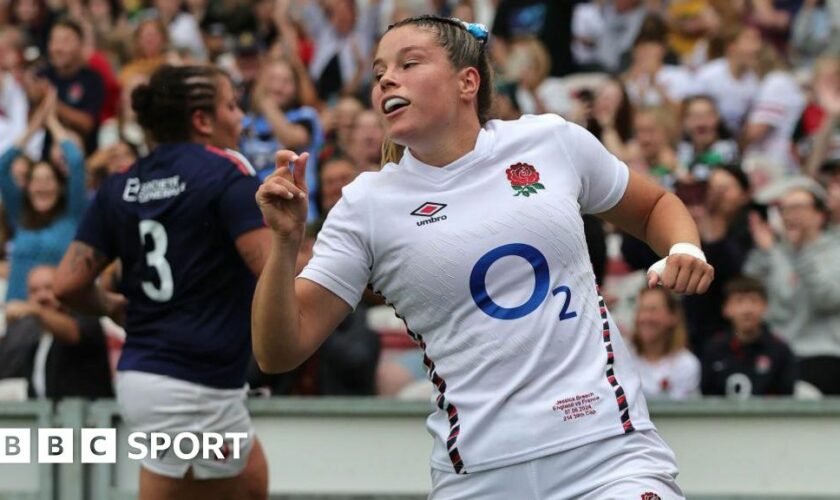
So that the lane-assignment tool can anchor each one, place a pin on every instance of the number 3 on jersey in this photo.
(156, 258)
(478, 283)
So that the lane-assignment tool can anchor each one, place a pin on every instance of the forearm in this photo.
(822, 142)
(289, 134)
(63, 327)
(90, 300)
(78, 120)
(275, 313)
(669, 223)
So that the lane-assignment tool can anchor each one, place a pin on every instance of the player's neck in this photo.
(448, 144)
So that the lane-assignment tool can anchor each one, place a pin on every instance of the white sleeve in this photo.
(772, 103)
(341, 258)
(603, 177)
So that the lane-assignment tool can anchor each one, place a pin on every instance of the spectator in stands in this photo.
(652, 149)
(335, 173)
(690, 23)
(623, 20)
(124, 127)
(344, 41)
(800, 272)
(338, 125)
(549, 22)
(111, 30)
(182, 27)
(818, 125)
(721, 218)
(47, 207)
(108, 160)
(830, 174)
(80, 89)
(280, 121)
(732, 81)
(775, 111)
(608, 114)
(649, 81)
(70, 357)
(706, 142)
(14, 108)
(150, 49)
(35, 18)
(365, 147)
(747, 359)
(12, 51)
(528, 68)
(667, 368)
(814, 32)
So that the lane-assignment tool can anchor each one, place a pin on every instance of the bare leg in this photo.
(253, 481)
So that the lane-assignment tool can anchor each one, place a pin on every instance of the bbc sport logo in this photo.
(99, 446)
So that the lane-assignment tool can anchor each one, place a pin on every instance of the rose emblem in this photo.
(524, 179)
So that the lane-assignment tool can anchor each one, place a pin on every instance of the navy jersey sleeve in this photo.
(238, 207)
(94, 229)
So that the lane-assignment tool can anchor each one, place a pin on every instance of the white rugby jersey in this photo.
(485, 260)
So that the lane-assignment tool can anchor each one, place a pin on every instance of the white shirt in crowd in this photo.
(493, 279)
(13, 111)
(779, 103)
(351, 49)
(552, 92)
(733, 96)
(674, 80)
(676, 376)
(587, 28)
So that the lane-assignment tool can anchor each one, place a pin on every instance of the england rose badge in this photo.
(524, 179)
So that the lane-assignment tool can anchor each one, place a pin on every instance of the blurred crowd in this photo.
(734, 105)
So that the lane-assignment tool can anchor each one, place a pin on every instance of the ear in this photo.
(202, 123)
(469, 82)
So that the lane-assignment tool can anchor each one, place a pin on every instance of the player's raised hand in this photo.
(283, 197)
(681, 273)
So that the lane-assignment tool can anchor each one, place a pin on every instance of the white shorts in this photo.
(635, 466)
(156, 403)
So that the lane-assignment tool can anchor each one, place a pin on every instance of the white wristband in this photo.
(688, 249)
(680, 248)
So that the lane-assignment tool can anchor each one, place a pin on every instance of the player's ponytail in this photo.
(391, 152)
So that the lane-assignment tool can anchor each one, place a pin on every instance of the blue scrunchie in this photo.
(477, 30)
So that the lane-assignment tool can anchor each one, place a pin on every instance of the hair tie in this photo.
(477, 30)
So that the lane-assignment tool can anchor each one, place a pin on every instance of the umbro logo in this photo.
(429, 210)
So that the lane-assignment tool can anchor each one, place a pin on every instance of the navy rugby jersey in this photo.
(173, 219)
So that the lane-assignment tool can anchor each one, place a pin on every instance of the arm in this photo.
(76, 119)
(659, 218)
(61, 325)
(822, 144)
(818, 270)
(639, 206)
(289, 318)
(73, 156)
(254, 247)
(291, 135)
(76, 286)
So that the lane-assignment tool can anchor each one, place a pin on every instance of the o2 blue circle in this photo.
(478, 285)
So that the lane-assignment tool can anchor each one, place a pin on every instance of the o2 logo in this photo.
(478, 284)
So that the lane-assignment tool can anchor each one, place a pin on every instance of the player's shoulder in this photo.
(548, 125)
(233, 162)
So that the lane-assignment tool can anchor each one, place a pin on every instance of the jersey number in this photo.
(478, 283)
(156, 258)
